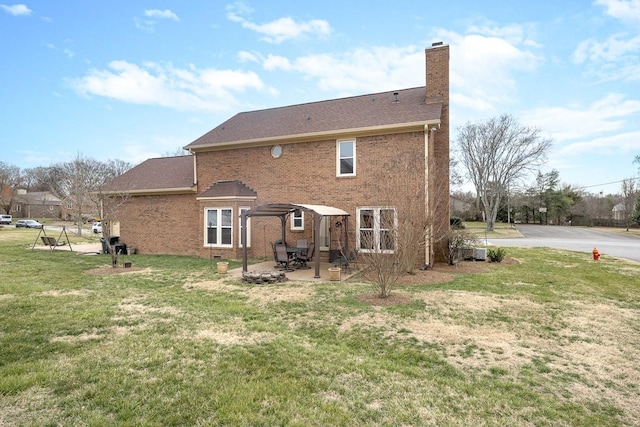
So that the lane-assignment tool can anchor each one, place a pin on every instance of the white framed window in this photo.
(297, 220)
(346, 157)
(218, 227)
(376, 228)
(17, 208)
(241, 211)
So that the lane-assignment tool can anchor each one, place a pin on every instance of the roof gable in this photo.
(228, 189)
(385, 109)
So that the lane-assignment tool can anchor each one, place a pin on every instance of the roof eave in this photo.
(314, 136)
(151, 191)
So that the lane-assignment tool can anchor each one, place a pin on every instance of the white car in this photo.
(97, 227)
(5, 219)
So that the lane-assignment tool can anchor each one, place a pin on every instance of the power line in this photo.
(607, 183)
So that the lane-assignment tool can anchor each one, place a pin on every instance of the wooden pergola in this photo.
(282, 210)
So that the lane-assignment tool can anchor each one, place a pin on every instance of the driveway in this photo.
(579, 239)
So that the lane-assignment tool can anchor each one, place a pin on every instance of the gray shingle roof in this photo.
(365, 111)
(164, 173)
(228, 189)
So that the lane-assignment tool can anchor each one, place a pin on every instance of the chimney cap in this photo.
(436, 44)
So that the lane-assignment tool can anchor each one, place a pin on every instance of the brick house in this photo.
(36, 204)
(359, 154)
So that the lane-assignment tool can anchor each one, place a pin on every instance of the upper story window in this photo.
(297, 220)
(346, 158)
(219, 227)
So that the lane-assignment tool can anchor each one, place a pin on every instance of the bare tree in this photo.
(10, 180)
(629, 196)
(393, 238)
(497, 153)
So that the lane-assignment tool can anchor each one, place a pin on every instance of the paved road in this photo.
(576, 239)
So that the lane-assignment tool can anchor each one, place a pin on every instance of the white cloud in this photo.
(614, 48)
(481, 72)
(617, 56)
(149, 22)
(280, 29)
(16, 9)
(352, 72)
(485, 62)
(162, 14)
(574, 122)
(624, 10)
(68, 52)
(620, 143)
(244, 56)
(163, 85)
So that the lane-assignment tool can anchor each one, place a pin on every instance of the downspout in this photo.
(195, 169)
(427, 252)
(243, 239)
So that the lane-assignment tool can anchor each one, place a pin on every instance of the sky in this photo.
(132, 80)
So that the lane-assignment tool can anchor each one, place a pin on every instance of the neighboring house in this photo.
(69, 211)
(347, 153)
(618, 211)
(37, 204)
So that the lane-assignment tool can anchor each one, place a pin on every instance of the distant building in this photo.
(38, 204)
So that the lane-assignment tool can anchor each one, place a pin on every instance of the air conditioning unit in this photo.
(467, 254)
(481, 254)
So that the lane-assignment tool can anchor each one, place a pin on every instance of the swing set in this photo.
(52, 242)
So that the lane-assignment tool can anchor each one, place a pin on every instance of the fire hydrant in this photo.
(596, 254)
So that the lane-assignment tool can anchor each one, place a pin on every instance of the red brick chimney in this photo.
(437, 83)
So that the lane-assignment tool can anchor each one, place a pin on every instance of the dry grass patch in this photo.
(109, 270)
(234, 338)
(289, 291)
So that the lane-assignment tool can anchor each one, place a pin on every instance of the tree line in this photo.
(77, 182)
(501, 157)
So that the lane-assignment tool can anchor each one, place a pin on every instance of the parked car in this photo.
(28, 223)
(5, 219)
(97, 227)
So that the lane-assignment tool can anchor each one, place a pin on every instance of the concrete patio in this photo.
(298, 275)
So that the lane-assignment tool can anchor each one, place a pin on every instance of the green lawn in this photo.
(548, 338)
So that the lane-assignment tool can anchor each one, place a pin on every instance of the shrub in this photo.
(458, 240)
(496, 255)
(456, 223)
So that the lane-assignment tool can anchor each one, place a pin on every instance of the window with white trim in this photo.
(241, 210)
(346, 158)
(376, 229)
(297, 220)
(219, 227)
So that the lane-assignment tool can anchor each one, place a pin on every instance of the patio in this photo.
(282, 211)
(296, 275)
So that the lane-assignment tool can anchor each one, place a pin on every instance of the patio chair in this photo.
(345, 261)
(282, 257)
(305, 256)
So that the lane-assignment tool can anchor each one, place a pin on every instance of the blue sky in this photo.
(133, 80)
